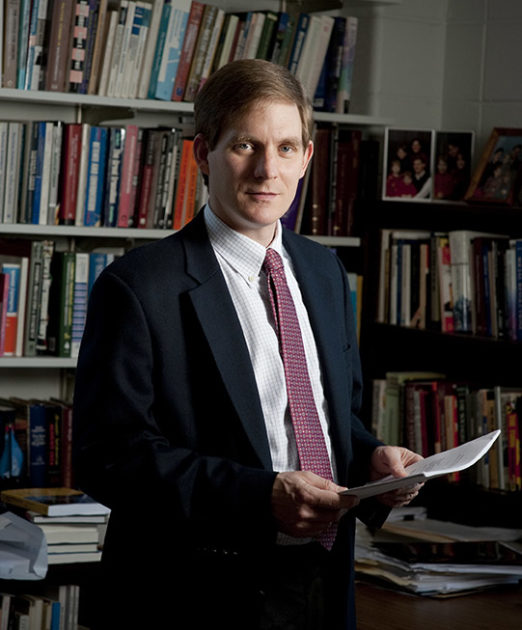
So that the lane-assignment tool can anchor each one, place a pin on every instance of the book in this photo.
(206, 26)
(314, 50)
(10, 43)
(54, 502)
(56, 78)
(151, 51)
(80, 295)
(344, 90)
(78, 54)
(105, 65)
(187, 50)
(116, 144)
(437, 465)
(100, 37)
(95, 175)
(70, 173)
(59, 329)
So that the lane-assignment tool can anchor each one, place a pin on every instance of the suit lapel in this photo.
(217, 316)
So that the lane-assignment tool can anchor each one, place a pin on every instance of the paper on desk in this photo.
(23, 549)
(450, 461)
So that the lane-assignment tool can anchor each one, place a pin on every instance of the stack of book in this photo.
(437, 558)
(73, 523)
(166, 49)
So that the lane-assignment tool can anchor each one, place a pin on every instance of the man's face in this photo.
(255, 167)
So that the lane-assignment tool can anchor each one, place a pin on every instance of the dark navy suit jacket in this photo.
(169, 428)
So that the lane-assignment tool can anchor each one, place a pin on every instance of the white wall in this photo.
(452, 64)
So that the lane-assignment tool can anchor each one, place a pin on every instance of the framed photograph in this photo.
(408, 164)
(498, 176)
(452, 164)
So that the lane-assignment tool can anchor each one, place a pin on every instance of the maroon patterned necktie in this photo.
(311, 446)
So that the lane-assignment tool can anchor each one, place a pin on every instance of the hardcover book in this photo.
(53, 501)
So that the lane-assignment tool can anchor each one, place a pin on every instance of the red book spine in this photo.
(187, 51)
(127, 176)
(70, 173)
(182, 184)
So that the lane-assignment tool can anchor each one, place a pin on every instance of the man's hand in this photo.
(304, 504)
(391, 460)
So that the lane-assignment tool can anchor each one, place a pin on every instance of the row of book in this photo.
(36, 443)
(343, 172)
(43, 296)
(166, 49)
(81, 174)
(428, 413)
(458, 281)
(53, 608)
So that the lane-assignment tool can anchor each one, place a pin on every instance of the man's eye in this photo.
(287, 148)
(243, 146)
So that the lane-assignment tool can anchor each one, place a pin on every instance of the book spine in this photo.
(113, 178)
(59, 46)
(10, 43)
(344, 90)
(79, 313)
(12, 272)
(70, 173)
(187, 50)
(95, 176)
(127, 175)
(34, 298)
(171, 56)
(37, 446)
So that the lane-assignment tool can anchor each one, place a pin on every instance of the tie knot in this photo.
(272, 262)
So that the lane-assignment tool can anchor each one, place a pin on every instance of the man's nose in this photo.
(266, 164)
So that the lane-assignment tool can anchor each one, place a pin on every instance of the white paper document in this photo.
(445, 463)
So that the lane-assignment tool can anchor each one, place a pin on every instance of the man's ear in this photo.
(201, 152)
(309, 151)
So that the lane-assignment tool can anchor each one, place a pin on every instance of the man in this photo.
(184, 403)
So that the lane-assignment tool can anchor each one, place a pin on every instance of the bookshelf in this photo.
(463, 357)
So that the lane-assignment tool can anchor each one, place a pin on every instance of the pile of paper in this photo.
(438, 558)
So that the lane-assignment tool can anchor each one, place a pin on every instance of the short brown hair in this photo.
(232, 89)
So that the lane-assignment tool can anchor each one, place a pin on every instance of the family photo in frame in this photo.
(408, 164)
(452, 169)
(498, 176)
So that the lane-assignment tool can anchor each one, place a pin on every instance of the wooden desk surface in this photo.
(380, 608)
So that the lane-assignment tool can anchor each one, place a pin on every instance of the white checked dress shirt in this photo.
(241, 259)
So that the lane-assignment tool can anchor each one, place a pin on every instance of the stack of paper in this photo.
(438, 558)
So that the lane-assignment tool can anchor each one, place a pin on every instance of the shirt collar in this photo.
(242, 253)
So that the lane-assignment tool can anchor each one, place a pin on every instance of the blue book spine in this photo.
(38, 168)
(23, 38)
(171, 54)
(97, 263)
(31, 50)
(37, 438)
(300, 35)
(95, 176)
(160, 44)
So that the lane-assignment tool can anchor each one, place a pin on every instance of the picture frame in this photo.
(408, 164)
(452, 166)
(497, 178)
